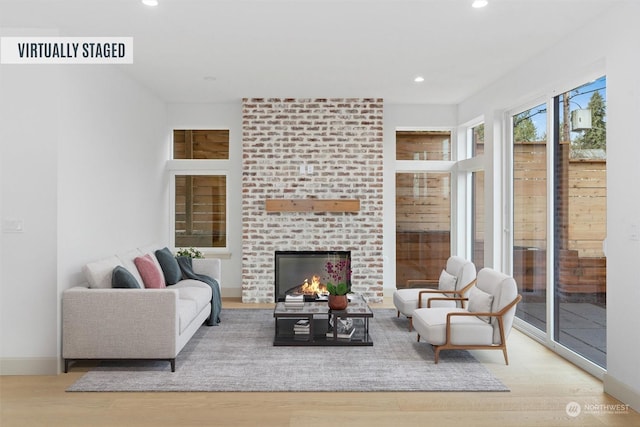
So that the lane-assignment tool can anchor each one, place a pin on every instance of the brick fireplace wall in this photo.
(342, 140)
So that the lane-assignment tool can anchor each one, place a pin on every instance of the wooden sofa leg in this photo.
(173, 364)
(398, 313)
(506, 358)
(436, 351)
(410, 324)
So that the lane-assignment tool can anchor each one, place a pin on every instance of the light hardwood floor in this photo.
(542, 385)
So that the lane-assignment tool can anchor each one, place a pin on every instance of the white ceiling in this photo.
(222, 50)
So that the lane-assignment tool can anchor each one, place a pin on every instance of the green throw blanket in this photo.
(186, 266)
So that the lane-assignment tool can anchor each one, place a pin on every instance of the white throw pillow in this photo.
(480, 302)
(98, 273)
(447, 283)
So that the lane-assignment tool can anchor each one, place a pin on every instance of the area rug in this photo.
(238, 355)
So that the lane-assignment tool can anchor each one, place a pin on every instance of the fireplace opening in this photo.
(308, 272)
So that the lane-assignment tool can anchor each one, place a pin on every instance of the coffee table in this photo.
(314, 324)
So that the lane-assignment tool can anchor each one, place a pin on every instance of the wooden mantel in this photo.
(312, 205)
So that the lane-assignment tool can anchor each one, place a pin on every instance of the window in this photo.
(423, 205)
(529, 235)
(200, 215)
(200, 188)
(201, 144)
(476, 141)
(580, 218)
(478, 218)
(423, 145)
(558, 231)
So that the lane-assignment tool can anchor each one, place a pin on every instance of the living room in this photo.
(85, 151)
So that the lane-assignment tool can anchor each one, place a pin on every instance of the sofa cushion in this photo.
(152, 276)
(466, 330)
(194, 290)
(98, 273)
(406, 300)
(187, 311)
(122, 278)
(170, 267)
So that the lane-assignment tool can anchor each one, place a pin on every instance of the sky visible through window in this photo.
(579, 99)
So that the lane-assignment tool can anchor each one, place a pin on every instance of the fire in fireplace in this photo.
(308, 272)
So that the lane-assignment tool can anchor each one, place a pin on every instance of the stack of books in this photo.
(344, 327)
(293, 301)
(301, 327)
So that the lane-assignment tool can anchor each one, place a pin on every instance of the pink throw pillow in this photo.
(149, 271)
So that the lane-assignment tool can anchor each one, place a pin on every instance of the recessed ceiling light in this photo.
(479, 3)
(150, 2)
(418, 79)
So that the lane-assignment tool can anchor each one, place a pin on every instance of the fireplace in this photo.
(308, 272)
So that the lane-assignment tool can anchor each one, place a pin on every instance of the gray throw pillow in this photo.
(480, 302)
(122, 278)
(169, 265)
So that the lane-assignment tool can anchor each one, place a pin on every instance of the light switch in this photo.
(310, 169)
(303, 169)
(12, 226)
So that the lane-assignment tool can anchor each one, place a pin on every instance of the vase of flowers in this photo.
(189, 253)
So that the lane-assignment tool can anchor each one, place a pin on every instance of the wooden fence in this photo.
(423, 218)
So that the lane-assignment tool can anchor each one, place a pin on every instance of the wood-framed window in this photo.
(200, 188)
(423, 203)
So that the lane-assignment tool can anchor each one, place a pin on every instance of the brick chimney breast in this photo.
(311, 148)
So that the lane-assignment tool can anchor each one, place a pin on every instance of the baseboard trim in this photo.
(621, 391)
(29, 366)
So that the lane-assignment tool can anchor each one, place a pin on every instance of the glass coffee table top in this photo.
(357, 307)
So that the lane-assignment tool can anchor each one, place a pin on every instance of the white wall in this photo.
(29, 141)
(569, 63)
(82, 155)
(221, 116)
(623, 206)
(113, 147)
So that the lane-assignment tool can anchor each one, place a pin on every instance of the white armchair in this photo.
(454, 281)
(484, 324)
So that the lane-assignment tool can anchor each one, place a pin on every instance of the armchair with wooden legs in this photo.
(455, 281)
(484, 324)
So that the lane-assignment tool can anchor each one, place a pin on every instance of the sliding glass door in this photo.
(529, 233)
(558, 231)
(580, 221)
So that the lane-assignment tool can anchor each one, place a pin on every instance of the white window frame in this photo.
(435, 166)
(197, 167)
(465, 168)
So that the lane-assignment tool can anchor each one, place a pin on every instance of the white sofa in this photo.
(104, 323)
